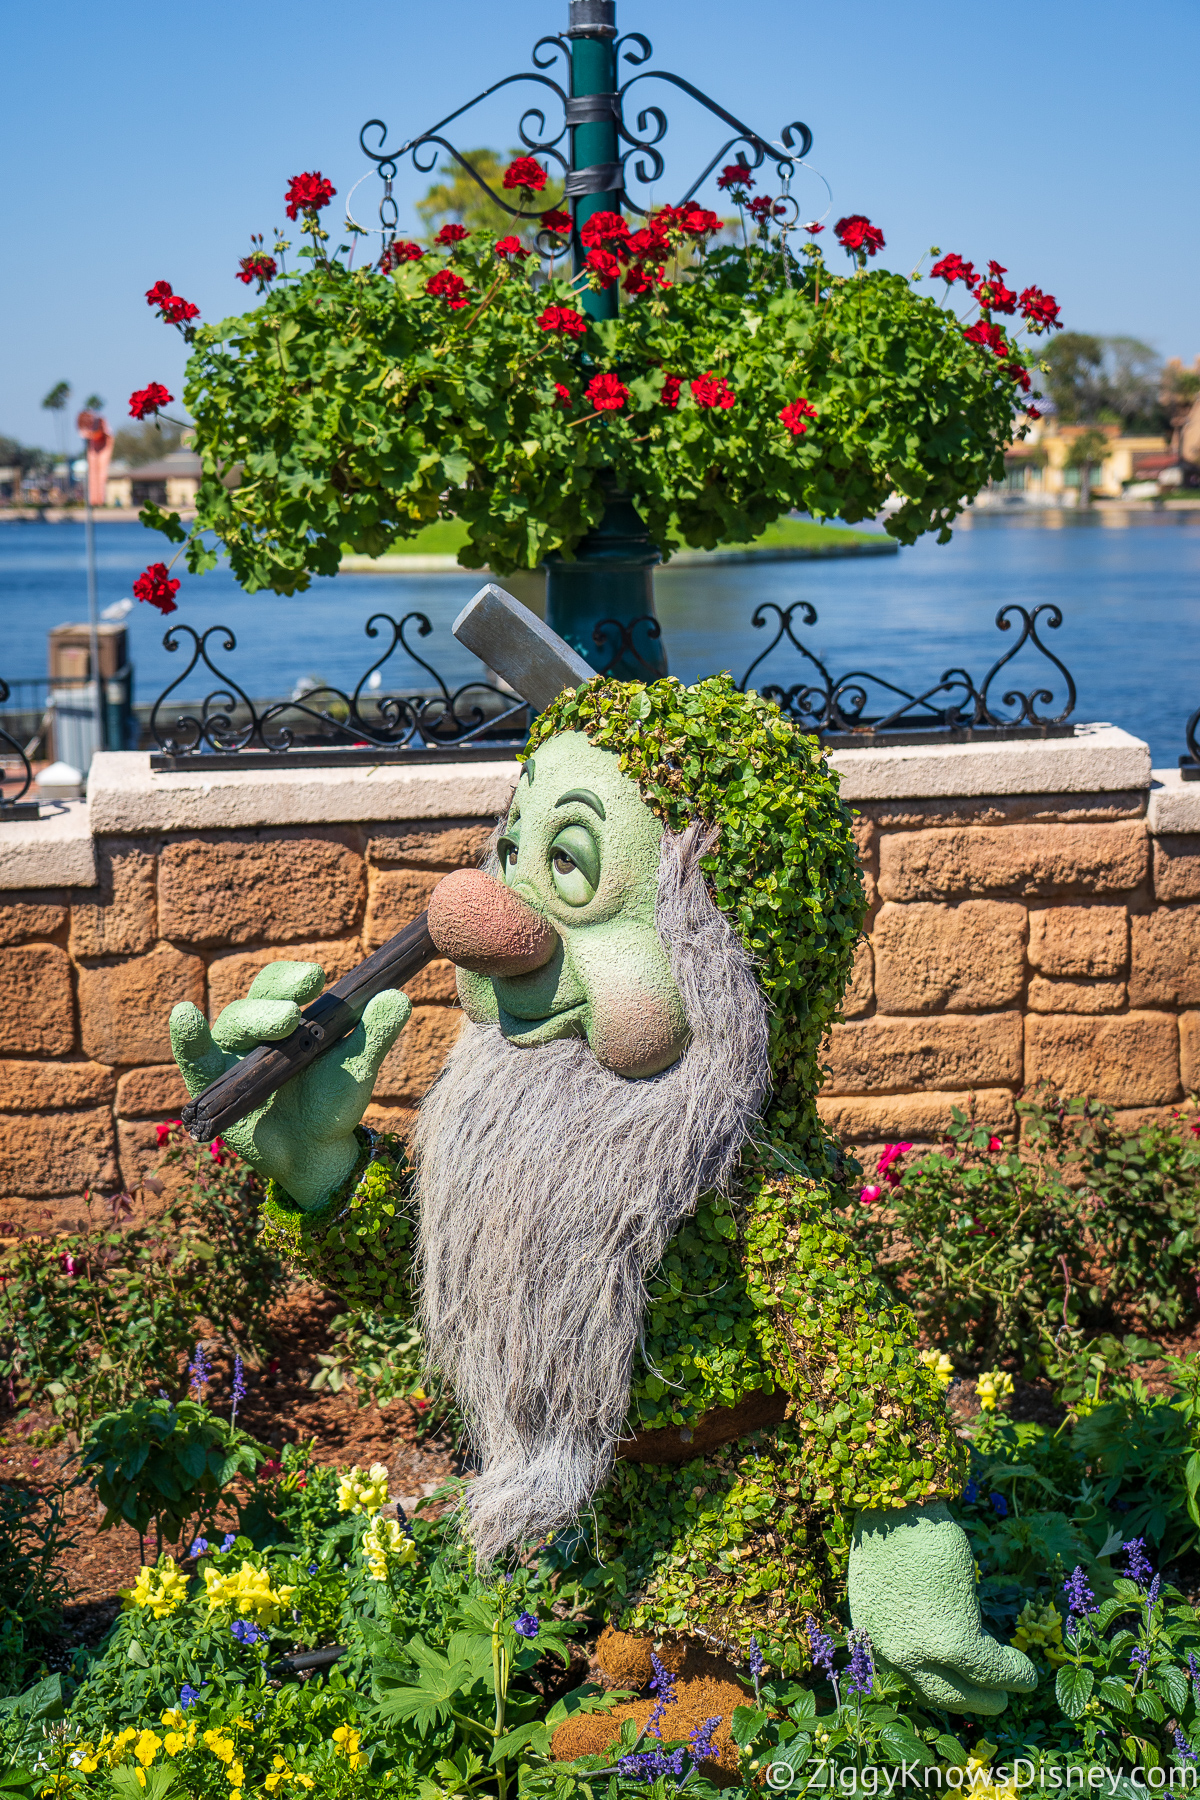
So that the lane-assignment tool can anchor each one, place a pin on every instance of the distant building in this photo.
(171, 481)
(1133, 468)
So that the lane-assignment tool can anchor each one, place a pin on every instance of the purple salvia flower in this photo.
(1139, 1656)
(1080, 1597)
(199, 1372)
(1182, 1748)
(701, 1740)
(757, 1664)
(1193, 1666)
(663, 1685)
(1137, 1566)
(821, 1646)
(239, 1388)
(860, 1676)
(1152, 1591)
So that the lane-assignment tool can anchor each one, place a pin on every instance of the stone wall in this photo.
(1035, 911)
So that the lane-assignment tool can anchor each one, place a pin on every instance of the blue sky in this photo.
(145, 142)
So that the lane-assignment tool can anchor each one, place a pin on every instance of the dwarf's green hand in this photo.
(912, 1587)
(304, 1135)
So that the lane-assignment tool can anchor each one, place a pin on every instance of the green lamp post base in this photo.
(609, 589)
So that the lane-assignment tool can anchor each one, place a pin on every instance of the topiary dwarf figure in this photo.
(627, 1259)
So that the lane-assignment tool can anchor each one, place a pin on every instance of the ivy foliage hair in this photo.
(783, 867)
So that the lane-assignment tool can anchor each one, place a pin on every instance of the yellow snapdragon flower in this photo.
(1040, 1628)
(993, 1386)
(939, 1365)
(363, 1493)
(248, 1593)
(386, 1540)
(161, 1590)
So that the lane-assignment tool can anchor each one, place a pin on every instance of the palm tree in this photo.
(1086, 453)
(56, 403)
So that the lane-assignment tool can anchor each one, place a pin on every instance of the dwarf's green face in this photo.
(581, 848)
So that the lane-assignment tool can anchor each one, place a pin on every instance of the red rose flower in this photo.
(451, 234)
(603, 228)
(713, 391)
(448, 286)
(308, 194)
(857, 233)
(735, 175)
(400, 250)
(258, 266)
(670, 390)
(508, 247)
(563, 318)
(813, 227)
(557, 221)
(867, 1196)
(795, 414)
(162, 290)
(1040, 311)
(892, 1153)
(952, 268)
(525, 173)
(987, 336)
(147, 400)
(606, 393)
(155, 585)
(563, 393)
(604, 267)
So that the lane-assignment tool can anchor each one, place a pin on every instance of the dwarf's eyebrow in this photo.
(527, 770)
(587, 797)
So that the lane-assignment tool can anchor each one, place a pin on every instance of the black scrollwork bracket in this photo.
(14, 806)
(616, 638)
(477, 716)
(837, 709)
(1189, 764)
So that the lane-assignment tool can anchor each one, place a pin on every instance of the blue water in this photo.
(1129, 590)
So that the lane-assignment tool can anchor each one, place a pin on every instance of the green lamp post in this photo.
(601, 600)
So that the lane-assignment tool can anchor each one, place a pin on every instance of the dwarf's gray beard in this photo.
(548, 1189)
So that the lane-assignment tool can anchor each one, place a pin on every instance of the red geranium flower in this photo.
(258, 266)
(997, 269)
(604, 267)
(857, 233)
(308, 193)
(735, 175)
(670, 390)
(765, 208)
(563, 393)
(1040, 310)
(510, 246)
(813, 227)
(1032, 412)
(993, 296)
(526, 173)
(173, 307)
(448, 286)
(563, 318)
(147, 400)
(639, 280)
(987, 336)
(697, 220)
(606, 393)
(155, 585)
(713, 390)
(451, 234)
(795, 414)
(1020, 374)
(651, 243)
(162, 290)
(556, 220)
(400, 250)
(603, 228)
(952, 268)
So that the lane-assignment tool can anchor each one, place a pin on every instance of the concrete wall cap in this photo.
(1099, 759)
(53, 851)
(1174, 804)
(125, 796)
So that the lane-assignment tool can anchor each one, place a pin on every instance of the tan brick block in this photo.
(1131, 1059)
(1079, 940)
(967, 958)
(1021, 860)
(1095, 996)
(458, 844)
(119, 918)
(1177, 868)
(1135, 1118)
(229, 977)
(51, 1086)
(397, 1119)
(155, 1093)
(860, 990)
(411, 1066)
(37, 1007)
(291, 887)
(31, 915)
(947, 1051)
(945, 810)
(914, 1117)
(395, 899)
(866, 842)
(138, 1151)
(57, 1153)
(1165, 957)
(1189, 1051)
(436, 984)
(124, 1006)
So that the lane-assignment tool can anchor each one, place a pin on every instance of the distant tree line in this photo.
(1117, 381)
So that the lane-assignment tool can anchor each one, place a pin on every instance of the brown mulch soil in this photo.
(280, 1408)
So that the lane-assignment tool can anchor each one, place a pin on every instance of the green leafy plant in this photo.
(35, 1538)
(381, 1356)
(165, 1461)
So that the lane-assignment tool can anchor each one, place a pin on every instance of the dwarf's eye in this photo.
(506, 850)
(575, 865)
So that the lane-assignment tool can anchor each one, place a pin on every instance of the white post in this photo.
(93, 616)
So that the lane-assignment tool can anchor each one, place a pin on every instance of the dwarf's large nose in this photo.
(483, 926)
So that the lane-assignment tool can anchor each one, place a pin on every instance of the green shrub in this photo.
(34, 1536)
(166, 1462)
